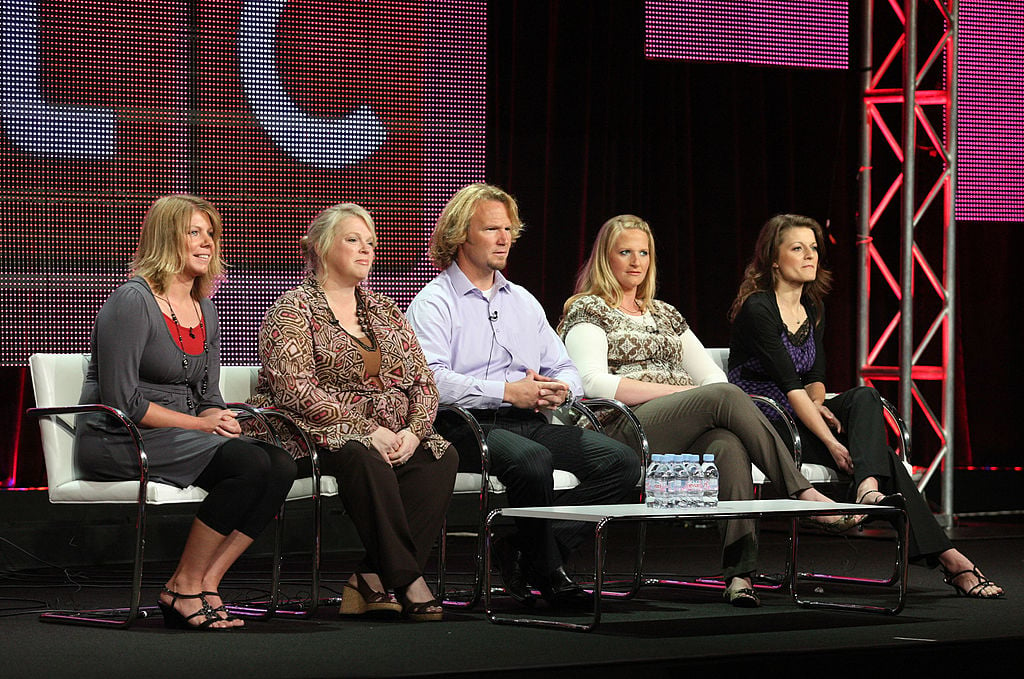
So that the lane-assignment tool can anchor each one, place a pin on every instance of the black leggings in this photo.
(247, 480)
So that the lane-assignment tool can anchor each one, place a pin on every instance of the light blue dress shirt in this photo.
(475, 345)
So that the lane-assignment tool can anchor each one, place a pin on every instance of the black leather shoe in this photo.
(560, 591)
(513, 576)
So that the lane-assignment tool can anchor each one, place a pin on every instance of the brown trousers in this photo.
(397, 511)
(721, 419)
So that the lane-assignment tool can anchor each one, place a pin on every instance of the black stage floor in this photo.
(663, 632)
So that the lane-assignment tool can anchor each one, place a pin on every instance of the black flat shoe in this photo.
(560, 591)
(174, 619)
(511, 566)
(742, 597)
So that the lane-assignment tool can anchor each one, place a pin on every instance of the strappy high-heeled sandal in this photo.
(894, 500)
(840, 525)
(974, 592)
(228, 615)
(175, 619)
(362, 599)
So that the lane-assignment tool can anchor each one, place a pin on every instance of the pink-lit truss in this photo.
(908, 183)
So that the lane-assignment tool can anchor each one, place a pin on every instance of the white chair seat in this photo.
(122, 492)
(303, 488)
(468, 482)
(57, 381)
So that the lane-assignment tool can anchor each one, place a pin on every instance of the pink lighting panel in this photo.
(990, 141)
(806, 33)
(271, 109)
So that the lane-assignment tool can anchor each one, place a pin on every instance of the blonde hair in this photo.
(596, 277)
(452, 226)
(164, 238)
(320, 235)
(761, 274)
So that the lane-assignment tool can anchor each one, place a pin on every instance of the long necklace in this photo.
(361, 318)
(184, 355)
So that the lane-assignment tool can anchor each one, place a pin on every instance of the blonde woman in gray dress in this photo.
(156, 357)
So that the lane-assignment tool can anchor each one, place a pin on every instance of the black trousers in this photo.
(524, 451)
(859, 410)
(246, 481)
(397, 511)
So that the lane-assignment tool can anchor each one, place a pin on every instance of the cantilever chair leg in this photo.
(114, 617)
(586, 408)
(274, 603)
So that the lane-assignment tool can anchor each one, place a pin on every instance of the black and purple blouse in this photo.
(765, 358)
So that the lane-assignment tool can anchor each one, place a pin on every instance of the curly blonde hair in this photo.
(452, 226)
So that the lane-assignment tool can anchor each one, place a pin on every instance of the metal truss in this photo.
(907, 229)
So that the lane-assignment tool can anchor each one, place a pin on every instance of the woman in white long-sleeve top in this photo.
(640, 350)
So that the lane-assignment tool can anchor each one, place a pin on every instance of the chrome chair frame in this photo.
(585, 415)
(45, 371)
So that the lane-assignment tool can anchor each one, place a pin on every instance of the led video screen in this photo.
(270, 109)
(807, 33)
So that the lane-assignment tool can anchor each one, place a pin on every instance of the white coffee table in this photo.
(603, 515)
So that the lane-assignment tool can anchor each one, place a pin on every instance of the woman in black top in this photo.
(777, 351)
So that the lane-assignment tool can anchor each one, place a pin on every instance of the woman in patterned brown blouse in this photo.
(343, 361)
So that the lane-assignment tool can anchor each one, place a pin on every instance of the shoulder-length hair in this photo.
(319, 238)
(164, 239)
(453, 225)
(761, 274)
(596, 277)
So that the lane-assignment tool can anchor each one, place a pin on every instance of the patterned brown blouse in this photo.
(315, 372)
(651, 354)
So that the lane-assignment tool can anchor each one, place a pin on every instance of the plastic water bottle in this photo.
(675, 478)
(710, 481)
(695, 485)
(653, 493)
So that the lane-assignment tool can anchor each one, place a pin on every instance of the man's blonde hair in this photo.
(452, 226)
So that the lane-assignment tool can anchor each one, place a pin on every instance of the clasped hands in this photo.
(536, 392)
(395, 447)
(221, 422)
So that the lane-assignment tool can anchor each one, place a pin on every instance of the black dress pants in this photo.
(525, 449)
(859, 410)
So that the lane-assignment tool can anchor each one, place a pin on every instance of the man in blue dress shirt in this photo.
(493, 352)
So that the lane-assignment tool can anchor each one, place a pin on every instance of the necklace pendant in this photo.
(192, 333)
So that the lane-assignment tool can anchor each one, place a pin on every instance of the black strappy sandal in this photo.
(174, 619)
(973, 592)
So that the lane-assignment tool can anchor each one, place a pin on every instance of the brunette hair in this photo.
(761, 274)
